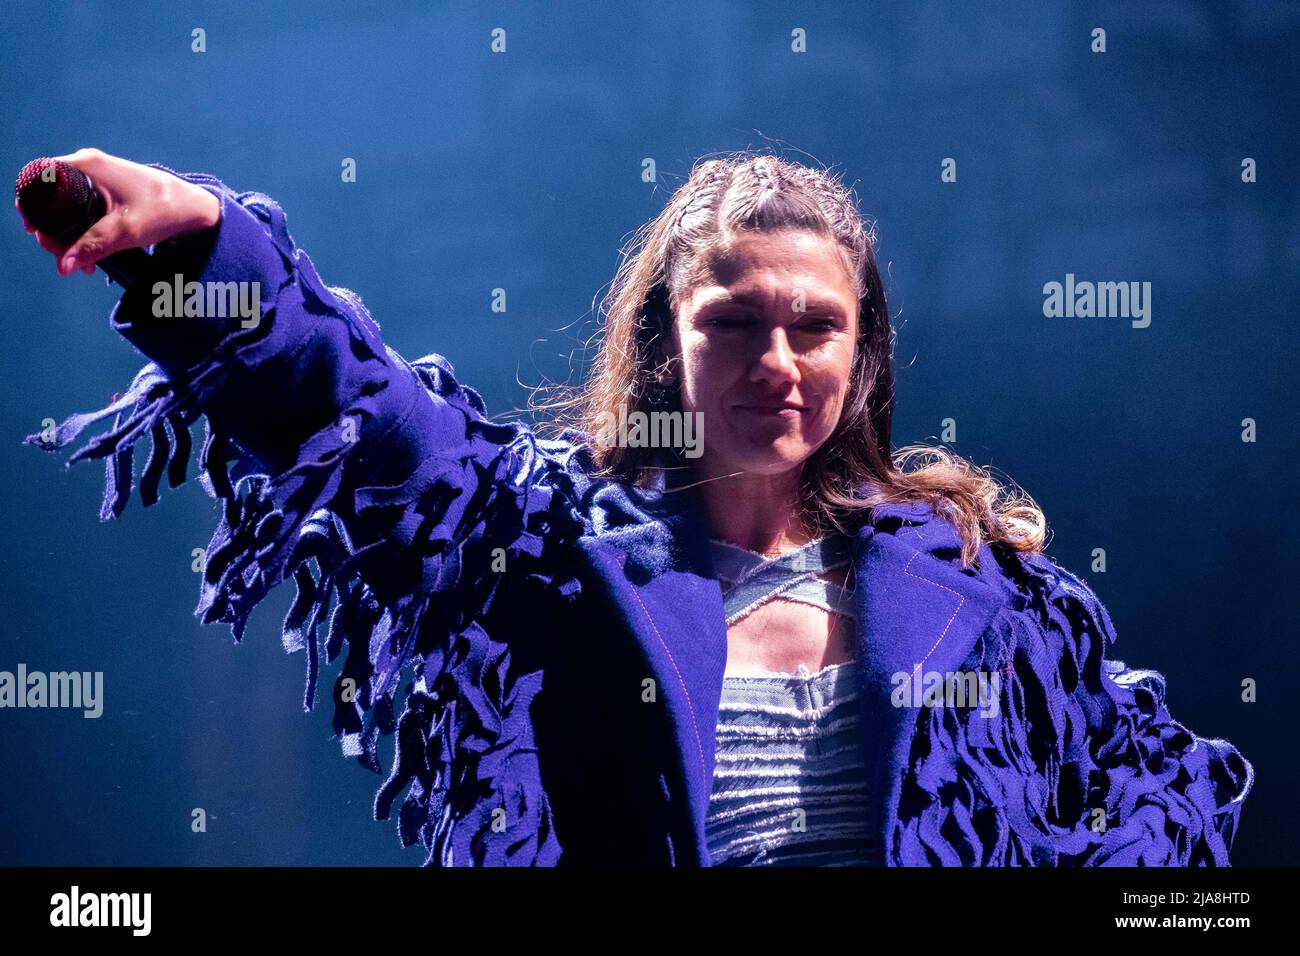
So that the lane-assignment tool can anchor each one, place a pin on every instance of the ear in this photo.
(668, 359)
(661, 317)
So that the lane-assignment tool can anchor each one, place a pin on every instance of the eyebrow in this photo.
(757, 301)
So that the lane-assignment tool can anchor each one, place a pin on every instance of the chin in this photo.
(768, 461)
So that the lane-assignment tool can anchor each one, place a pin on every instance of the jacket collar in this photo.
(915, 608)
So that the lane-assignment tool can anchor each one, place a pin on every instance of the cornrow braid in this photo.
(699, 194)
(838, 206)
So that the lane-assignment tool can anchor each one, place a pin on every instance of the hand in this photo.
(143, 206)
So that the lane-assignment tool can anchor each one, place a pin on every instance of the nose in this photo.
(776, 366)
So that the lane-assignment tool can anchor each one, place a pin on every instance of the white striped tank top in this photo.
(789, 783)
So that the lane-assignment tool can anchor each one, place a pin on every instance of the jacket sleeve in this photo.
(1083, 765)
(400, 511)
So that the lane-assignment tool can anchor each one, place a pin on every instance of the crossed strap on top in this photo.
(750, 579)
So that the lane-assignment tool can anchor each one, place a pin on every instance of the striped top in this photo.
(789, 785)
(789, 782)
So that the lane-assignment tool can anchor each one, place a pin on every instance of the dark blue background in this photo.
(523, 171)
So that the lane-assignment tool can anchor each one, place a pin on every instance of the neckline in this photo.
(720, 543)
(801, 673)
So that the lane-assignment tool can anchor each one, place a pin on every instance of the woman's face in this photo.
(766, 344)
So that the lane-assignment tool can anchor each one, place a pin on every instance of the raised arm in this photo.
(377, 484)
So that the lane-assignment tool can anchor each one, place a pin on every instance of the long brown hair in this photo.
(855, 468)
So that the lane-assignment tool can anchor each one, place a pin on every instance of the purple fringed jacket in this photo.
(548, 648)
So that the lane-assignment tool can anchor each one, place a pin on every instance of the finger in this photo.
(88, 270)
(87, 160)
(109, 235)
(95, 164)
(51, 245)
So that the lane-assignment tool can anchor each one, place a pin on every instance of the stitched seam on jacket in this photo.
(699, 746)
(961, 601)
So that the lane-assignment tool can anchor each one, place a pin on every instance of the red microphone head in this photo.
(57, 199)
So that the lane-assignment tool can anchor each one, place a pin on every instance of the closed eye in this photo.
(730, 322)
(820, 325)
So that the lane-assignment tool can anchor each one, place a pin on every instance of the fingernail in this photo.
(68, 265)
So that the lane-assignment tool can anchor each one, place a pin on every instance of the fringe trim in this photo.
(1079, 743)
(465, 753)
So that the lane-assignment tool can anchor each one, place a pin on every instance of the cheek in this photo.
(698, 373)
(836, 391)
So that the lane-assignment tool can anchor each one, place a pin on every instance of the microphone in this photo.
(59, 200)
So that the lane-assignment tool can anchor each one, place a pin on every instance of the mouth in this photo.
(787, 409)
